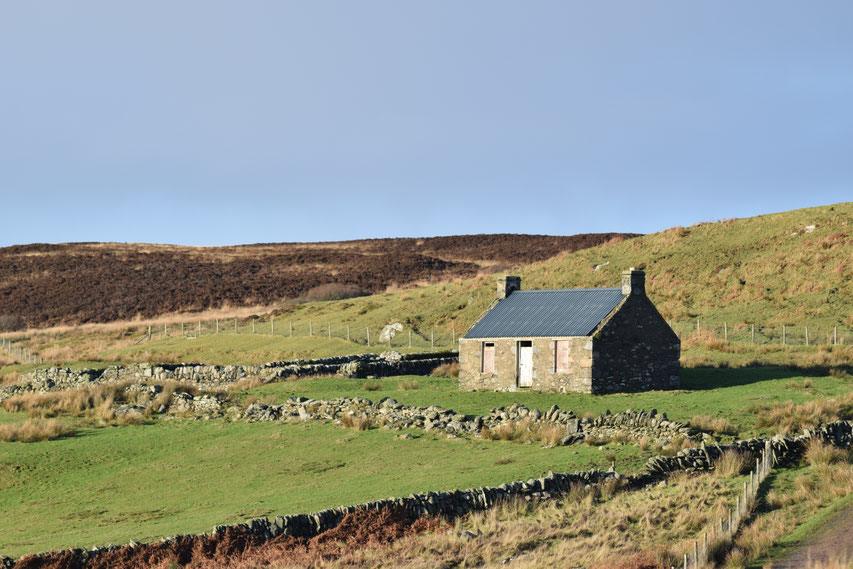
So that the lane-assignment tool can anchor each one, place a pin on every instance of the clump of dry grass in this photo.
(791, 417)
(75, 402)
(10, 378)
(718, 425)
(446, 370)
(357, 422)
(819, 452)
(372, 386)
(35, 430)
(732, 463)
(408, 385)
(526, 430)
(245, 384)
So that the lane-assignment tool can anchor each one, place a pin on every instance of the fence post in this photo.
(696, 554)
(753, 334)
(199, 328)
(310, 328)
(368, 336)
(807, 335)
(347, 332)
(410, 338)
(330, 330)
(725, 331)
(253, 325)
(165, 329)
(217, 325)
(182, 328)
(835, 336)
(697, 325)
(432, 338)
(235, 327)
(784, 334)
(272, 325)
(149, 332)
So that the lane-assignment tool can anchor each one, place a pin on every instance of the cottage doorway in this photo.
(525, 364)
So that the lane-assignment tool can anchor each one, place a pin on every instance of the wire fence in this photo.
(392, 335)
(726, 528)
(765, 335)
(20, 353)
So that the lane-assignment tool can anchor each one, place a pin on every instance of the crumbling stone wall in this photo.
(635, 350)
(212, 376)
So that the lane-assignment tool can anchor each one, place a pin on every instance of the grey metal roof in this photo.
(536, 313)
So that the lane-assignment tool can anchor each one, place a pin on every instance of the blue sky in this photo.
(207, 122)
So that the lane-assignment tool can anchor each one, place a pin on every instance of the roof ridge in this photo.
(567, 289)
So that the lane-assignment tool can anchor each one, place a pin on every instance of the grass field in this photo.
(144, 482)
(732, 393)
(177, 476)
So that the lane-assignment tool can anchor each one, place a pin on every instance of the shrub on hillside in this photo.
(332, 291)
(11, 322)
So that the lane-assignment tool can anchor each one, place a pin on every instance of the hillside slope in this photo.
(784, 268)
(75, 283)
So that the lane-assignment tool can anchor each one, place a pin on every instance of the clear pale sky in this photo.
(209, 122)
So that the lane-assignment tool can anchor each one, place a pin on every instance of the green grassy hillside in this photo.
(791, 268)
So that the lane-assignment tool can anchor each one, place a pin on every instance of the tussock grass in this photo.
(408, 384)
(719, 425)
(792, 417)
(357, 422)
(372, 386)
(526, 430)
(732, 463)
(446, 370)
(35, 430)
(819, 452)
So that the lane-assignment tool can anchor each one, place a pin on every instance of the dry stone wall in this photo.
(211, 376)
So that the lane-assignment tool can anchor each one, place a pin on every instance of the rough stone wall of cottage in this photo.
(577, 378)
(635, 350)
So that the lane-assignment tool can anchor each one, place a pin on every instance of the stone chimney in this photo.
(633, 281)
(508, 284)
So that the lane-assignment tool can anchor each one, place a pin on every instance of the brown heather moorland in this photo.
(74, 283)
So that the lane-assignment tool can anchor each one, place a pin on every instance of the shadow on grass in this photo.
(704, 378)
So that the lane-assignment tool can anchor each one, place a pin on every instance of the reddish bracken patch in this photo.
(239, 549)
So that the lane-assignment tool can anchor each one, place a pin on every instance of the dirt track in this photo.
(833, 539)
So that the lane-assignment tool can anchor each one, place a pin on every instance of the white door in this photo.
(525, 364)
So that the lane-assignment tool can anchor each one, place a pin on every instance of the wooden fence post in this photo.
(784, 335)
(149, 332)
(347, 332)
(199, 328)
(835, 336)
(165, 329)
(410, 338)
(272, 325)
(368, 336)
(253, 325)
(753, 334)
(310, 328)
(217, 325)
(182, 328)
(330, 330)
(807, 335)
(432, 338)
(725, 331)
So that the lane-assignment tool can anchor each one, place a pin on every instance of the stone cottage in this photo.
(589, 340)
